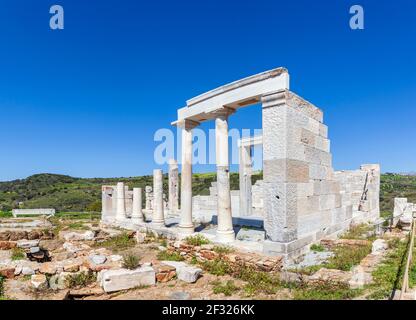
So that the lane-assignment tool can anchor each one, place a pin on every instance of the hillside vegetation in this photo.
(70, 194)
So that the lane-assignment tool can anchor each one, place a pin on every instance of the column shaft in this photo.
(121, 201)
(173, 187)
(158, 214)
(186, 225)
(137, 214)
(225, 231)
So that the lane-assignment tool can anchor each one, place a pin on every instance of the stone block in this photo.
(307, 205)
(184, 272)
(309, 224)
(123, 279)
(305, 189)
(319, 172)
(39, 281)
(327, 201)
(307, 137)
(286, 170)
(27, 244)
(322, 144)
(251, 235)
(280, 205)
(323, 130)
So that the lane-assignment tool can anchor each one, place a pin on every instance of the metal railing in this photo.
(405, 284)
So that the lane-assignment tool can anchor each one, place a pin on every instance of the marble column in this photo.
(137, 213)
(121, 201)
(225, 231)
(149, 197)
(158, 214)
(186, 225)
(245, 170)
(173, 203)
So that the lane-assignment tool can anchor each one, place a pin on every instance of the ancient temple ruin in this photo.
(300, 200)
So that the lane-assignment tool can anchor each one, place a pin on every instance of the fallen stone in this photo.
(70, 247)
(72, 265)
(78, 236)
(165, 274)
(140, 237)
(18, 270)
(189, 274)
(184, 272)
(331, 275)
(207, 247)
(50, 245)
(34, 250)
(7, 245)
(39, 281)
(27, 244)
(116, 258)
(379, 246)
(123, 279)
(291, 277)
(359, 278)
(7, 272)
(97, 259)
(58, 282)
(27, 271)
(48, 268)
(251, 235)
(17, 235)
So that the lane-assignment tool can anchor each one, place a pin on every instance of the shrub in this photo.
(131, 261)
(169, 256)
(217, 267)
(197, 240)
(118, 243)
(18, 254)
(77, 226)
(325, 290)
(1, 286)
(80, 279)
(258, 281)
(359, 231)
(347, 257)
(317, 247)
(223, 249)
(389, 274)
(227, 288)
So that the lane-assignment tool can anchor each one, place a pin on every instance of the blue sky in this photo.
(86, 101)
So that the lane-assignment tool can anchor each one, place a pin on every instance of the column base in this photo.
(120, 218)
(158, 223)
(187, 229)
(137, 221)
(225, 236)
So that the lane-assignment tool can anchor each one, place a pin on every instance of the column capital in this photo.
(274, 99)
(223, 112)
(186, 124)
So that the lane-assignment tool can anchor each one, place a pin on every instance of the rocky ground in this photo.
(62, 258)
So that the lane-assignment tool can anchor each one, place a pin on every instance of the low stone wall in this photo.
(33, 212)
(28, 235)
(208, 253)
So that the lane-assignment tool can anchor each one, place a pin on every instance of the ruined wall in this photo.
(361, 189)
(109, 202)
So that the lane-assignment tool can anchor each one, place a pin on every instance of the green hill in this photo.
(66, 193)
